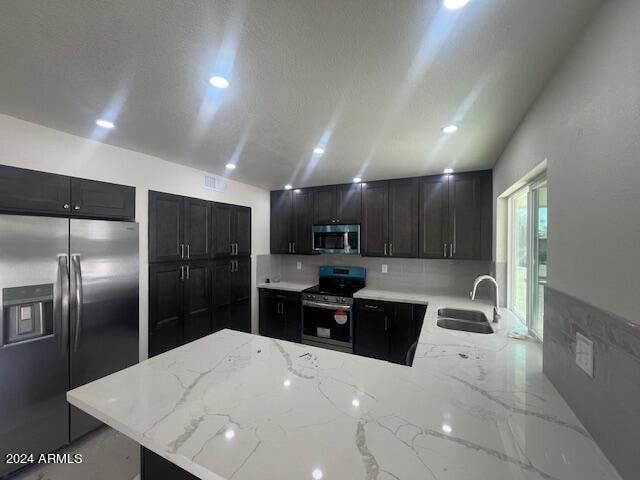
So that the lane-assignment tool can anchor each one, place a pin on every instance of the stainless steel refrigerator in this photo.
(68, 316)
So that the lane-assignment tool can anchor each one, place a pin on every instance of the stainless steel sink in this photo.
(464, 320)
(470, 315)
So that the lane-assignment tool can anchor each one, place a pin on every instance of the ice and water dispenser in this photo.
(27, 313)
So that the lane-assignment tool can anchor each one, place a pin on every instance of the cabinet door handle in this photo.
(391, 249)
(445, 249)
(188, 250)
(385, 249)
(182, 250)
(76, 207)
(386, 323)
(188, 272)
(451, 252)
(236, 249)
(65, 206)
(181, 272)
(293, 247)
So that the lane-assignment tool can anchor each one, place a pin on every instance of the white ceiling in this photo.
(373, 79)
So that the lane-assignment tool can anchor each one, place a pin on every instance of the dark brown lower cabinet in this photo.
(179, 304)
(371, 323)
(155, 467)
(165, 308)
(232, 294)
(280, 314)
(387, 330)
(197, 300)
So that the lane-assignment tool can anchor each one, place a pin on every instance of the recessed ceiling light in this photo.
(101, 122)
(318, 150)
(446, 428)
(317, 474)
(287, 382)
(450, 128)
(219, 82)
(357, 180)
(355, 402)
(455, 4)
(230, 166)
(288, 187)
(229, 434)
(448, 170)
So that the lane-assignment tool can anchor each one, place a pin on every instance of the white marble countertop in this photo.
(240, 406)
(390, 296)
(286, 286)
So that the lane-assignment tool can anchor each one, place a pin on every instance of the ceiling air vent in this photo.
(215, 183)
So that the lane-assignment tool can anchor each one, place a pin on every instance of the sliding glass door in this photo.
(539, 257)
(528, 254)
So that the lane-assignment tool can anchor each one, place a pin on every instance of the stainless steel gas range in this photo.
(327, 308)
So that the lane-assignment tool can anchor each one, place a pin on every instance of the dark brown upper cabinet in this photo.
(442, 216)
(91, 199)
(302, 215)
(390, 218)
(403, 218)
(39, 193)
(231, 229)
(178, 228)
(197, 222)
(221, 225)
(281, 207)
(337, 204)
(241, 230)
(349, 199)
(456, 216)
(166, 227)
(375, 219)
(434, 217)
(325, 205)
(291, 221)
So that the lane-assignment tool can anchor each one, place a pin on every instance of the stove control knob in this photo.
(326, 299)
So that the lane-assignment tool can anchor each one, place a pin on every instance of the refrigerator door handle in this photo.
(61, 303)
(77, 272)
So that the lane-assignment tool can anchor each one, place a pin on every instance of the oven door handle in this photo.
(327, 306)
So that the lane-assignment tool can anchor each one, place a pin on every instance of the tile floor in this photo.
(107, 455)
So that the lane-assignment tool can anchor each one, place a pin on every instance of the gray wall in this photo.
(587, 125)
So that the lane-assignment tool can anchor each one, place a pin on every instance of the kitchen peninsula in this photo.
(239, 406)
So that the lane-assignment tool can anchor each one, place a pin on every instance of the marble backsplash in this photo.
(607, 404)
(437, 277)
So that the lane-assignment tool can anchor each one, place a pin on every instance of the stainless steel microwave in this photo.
(344, 239)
